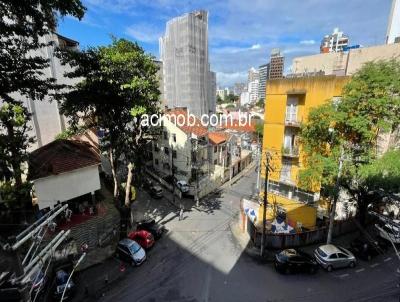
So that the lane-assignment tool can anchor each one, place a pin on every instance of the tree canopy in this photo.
(119, 84)
(369, 106)
(24, 26)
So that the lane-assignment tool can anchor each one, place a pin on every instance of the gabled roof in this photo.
(217, 138)
(177, 113)
(61, 156)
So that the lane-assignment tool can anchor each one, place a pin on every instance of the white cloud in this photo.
(143, 32)
(307, 42)
(228, 79)
(255, 46)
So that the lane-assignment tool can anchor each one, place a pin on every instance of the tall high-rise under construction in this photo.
(188, 81)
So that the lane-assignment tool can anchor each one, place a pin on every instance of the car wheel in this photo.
(352, 264)
(329, 268)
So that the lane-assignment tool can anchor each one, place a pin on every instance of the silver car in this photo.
(330, 256)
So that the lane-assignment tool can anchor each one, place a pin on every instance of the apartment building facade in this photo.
(345, 62)
(288, 102)
(276, 64)
(264, 75)
(188, 81)
(335, 42)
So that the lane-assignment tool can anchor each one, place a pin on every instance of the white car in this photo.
(389, 232)
(182, 186)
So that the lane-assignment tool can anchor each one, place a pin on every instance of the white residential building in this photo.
(46, 121)
(186, 69)
(393, 29)
(244, 98)
(253, 84)
(185, 146)
(334, 42)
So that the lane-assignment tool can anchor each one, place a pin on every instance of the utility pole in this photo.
(173, 175)
(335, 197)
(258, 161)
(197, 186)
(265, 202)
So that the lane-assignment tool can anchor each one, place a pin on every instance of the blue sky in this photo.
(241, 32)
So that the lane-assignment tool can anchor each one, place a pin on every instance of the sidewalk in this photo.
(243, 239)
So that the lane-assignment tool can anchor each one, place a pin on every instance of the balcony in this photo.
(291, 152)
(292, 123)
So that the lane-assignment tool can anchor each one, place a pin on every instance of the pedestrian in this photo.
(181, 214)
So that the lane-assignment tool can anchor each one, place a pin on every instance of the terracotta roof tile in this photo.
(217, 138)
(197, 129)
(61, 156)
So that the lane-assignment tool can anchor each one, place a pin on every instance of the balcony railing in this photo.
(292, 152)
(292, 123)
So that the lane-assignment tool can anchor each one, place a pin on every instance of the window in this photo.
(156, 148)
(291, 109)
(173, 153)
(166, 150)
(333, 256)
(286, 169)
(165, 135)
(342, 256)
(174, 137)
(215, 149)
(156, 162)
(215, 162)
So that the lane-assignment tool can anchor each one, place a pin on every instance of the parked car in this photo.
(366, 250)
(389, 232)
(60, 284)
(182, 186)
(152, 227)
(130, 251)
(293, 261)
(156, 191)
(330, 257)
(144, 238)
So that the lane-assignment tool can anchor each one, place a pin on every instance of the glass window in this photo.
(174, 154)
(333, 256)
(166, 150)
(174, 137)
(165, 135)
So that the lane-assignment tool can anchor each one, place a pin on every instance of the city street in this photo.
(200, 260)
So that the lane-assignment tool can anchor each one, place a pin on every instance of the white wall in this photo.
(66, 186)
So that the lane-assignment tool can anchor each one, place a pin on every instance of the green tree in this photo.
(370, 105)
(119, 85)
(23, 24)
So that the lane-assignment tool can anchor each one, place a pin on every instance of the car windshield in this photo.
(321, 252)
(134, 247)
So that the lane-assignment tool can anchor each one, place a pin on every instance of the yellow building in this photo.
(288, 102)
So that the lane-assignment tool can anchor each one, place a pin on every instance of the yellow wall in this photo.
(295, 211)
(311, 92)
(318, 90)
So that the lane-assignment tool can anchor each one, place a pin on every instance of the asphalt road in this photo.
(200, 260)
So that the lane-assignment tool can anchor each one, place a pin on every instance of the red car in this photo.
(144, 238)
